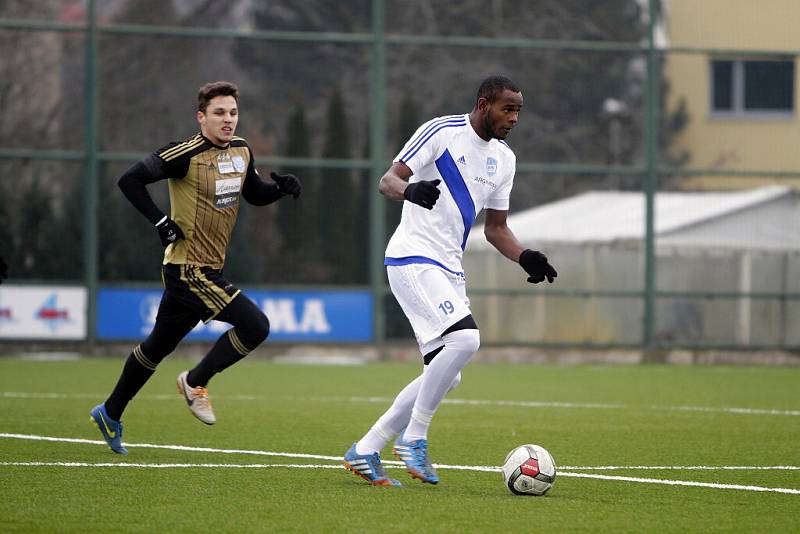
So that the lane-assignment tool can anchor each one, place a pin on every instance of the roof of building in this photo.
(726, 219)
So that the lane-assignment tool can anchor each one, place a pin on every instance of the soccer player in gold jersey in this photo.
(207, 175)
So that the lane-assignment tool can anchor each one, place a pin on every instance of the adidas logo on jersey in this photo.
(462, 161)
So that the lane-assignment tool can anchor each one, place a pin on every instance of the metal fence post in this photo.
(90, 177)
(377, 209)
(650, 182)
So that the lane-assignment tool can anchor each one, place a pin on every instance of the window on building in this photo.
(752, 86)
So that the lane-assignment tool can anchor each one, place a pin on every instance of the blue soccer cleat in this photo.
(415, 455)
(110, 429)
(368, 467)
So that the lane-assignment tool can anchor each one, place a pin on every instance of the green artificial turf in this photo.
(586, 416)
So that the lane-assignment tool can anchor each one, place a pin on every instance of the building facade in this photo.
(741, 95)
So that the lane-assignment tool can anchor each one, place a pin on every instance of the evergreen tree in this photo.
(339, 213)
(32, 253)
(366, 186)
(6, 232)
(298, 220)
(64, 236)
(407, 124)
(129, 248)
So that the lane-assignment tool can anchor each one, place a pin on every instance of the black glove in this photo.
(169, 232)
(3, 269)
(288, 184)
(424, 193)
(536, 265)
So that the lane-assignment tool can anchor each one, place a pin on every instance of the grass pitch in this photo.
(639, 449)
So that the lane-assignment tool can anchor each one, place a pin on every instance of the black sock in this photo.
(221, 356)
(134, 376)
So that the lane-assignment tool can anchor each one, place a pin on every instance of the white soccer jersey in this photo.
(475, 174)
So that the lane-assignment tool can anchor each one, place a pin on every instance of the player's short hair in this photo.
(492, 87)
(214, 89)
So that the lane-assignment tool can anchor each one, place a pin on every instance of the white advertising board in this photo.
(42, 312)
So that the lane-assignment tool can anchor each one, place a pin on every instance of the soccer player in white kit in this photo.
(452, 168)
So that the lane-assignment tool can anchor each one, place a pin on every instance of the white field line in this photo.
(682, 483)
(667, 482)
(744, 411)
(391, 464)
(166, 466)
(174, 447)
(96, 396)
(682, 468)
(542, 404)
(467, 402)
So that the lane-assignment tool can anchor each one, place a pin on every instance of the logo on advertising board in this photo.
(5, 314)
(148, 309)
(51, 315)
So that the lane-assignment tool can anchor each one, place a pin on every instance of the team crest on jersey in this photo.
(238, 163)
(491, 166)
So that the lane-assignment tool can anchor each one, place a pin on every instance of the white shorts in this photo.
(433, 300)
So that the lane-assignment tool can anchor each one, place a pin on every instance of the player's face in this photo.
(218, 123)
(502, 115)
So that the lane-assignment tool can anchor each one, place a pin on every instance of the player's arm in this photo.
(503, 239)
(500, 235)
(394, 185)
(260, 193)
(133, 184)
(395, 181)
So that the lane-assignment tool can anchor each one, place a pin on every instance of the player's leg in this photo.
(394, 420)
(204, 289)
(387, 427)
(440, 376)
(435, 303)
(250, 329)
(363, 457)
(461, 341)
(173, 322)
(142, 362)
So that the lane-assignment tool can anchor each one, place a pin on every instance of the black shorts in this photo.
(193, 291)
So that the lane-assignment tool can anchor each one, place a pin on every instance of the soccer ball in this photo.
(529, 470)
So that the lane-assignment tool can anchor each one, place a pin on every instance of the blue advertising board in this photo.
(295, 316)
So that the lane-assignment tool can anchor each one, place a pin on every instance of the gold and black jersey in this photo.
(205, 183)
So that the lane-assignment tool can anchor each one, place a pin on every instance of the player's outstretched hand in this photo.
(536, 265)
(288, 184)
(169, 232)
(423, 193)
(3, 269)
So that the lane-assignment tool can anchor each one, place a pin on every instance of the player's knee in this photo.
(456, 381)
(464, 340)
(263, 327)
(256, 330)
(156, 349)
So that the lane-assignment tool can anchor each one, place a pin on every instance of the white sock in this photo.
(396, 418)
(392, 422)
(440, 375)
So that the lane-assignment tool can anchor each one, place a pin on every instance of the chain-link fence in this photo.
(655, 153)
